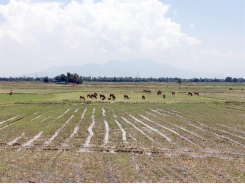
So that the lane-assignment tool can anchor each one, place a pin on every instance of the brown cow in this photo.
(230, 88)
(173, 93)
(143, 97)
(93, 96)
(96, 94)
(112, 96)
(82, 97)
(102, 97)
(126, 96)
(189, 93)
(144, 91)
(89, 96)
(109, 98)
(196, 93)
(148, 91)
(10, 93)
(159, 92)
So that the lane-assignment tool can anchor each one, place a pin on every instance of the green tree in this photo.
(179, 81)
(69, 77)
(228, 79)
(46, 79)
(75, 78)
(63, 77)
(58, 78)
(80, 80)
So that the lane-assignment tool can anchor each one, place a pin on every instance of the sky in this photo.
(196, 35)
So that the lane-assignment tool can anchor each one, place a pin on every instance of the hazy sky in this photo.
(201, 35)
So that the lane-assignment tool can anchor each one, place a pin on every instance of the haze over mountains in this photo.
(143, 68)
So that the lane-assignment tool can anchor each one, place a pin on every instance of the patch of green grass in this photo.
(3, 166)
(23, 98)
(122, 159)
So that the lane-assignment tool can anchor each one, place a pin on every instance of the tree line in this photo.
(76, 79)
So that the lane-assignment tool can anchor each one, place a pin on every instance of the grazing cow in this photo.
(164, 96)
(143, 97)
(89, 96)
(159, 92)
(144, 91)
(10, 93)
(196, 93)
(93, 96)
(230, 88)
(148, 91)
(126, 96)
(102, 97)
(82, 97)
(189, 93)
(112, 96)
(173, 93)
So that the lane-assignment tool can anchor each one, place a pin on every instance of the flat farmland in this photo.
(49, 134)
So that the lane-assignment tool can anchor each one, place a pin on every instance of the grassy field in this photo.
(49, 134)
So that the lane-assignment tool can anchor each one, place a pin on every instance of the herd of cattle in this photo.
(113, 97)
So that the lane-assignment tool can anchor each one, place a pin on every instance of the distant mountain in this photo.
(128, 68)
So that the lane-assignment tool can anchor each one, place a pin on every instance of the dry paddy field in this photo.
(47, 134)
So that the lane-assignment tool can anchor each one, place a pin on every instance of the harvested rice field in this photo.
(49, 134)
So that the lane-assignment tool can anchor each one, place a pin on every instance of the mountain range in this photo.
(143, 68)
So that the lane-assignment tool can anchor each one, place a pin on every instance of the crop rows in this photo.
(106, 130)
(106, 144)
